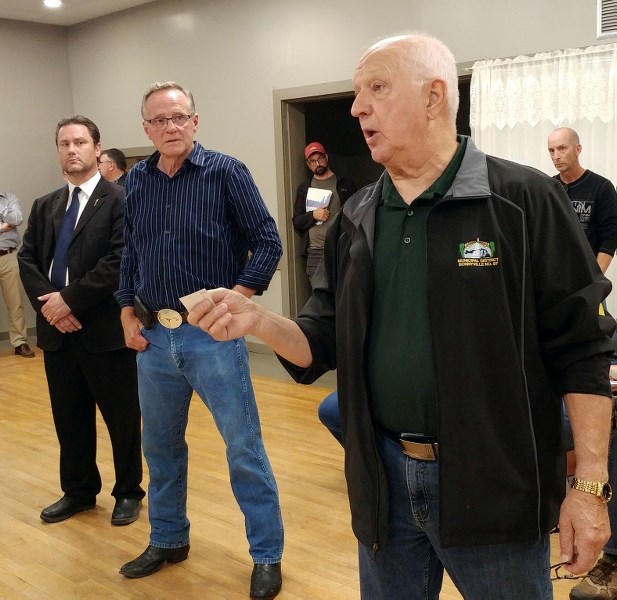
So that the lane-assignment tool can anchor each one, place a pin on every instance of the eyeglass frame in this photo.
(315, 161)
(107, 161)
(557, 576)
(167, 119)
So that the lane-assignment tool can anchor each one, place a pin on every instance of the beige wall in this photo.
(233, 54)
(36, 93)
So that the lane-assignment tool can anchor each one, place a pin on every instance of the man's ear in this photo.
(436, 98)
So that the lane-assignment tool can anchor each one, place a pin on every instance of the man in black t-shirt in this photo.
(593, 197)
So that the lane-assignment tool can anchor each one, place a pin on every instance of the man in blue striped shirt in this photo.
(194, 219)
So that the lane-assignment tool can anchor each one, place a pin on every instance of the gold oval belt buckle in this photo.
(169, 318)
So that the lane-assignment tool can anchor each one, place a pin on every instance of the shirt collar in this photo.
(87, 187)
(197, 156)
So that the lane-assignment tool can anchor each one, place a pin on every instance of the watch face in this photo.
(607, 492)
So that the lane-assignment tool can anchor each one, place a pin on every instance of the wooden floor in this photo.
(80, 558)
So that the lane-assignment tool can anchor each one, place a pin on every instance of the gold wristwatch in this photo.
(597, 488)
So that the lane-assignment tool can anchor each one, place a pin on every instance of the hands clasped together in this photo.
(58, 313)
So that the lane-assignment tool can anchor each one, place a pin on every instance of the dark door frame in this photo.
(290, 139)
(289, 128)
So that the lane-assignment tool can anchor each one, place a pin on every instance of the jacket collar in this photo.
(471, 181)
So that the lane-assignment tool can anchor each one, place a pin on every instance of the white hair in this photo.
(426, 58)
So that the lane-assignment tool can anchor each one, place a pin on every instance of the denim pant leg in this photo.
(219, 373)
(406, 567)
(329, 415)
(164, 397)
(410, 565)
(501, 571)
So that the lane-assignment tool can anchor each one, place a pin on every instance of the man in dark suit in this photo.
(69, 264)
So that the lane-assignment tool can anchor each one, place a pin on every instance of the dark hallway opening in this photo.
(328, 120)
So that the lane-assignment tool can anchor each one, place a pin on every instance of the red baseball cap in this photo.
(312, 148)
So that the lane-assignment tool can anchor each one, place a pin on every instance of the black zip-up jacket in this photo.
(515, 325)
(303, 220)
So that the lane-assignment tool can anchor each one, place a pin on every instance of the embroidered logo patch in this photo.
(477, 254)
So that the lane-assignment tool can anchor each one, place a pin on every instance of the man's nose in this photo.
(359, 106)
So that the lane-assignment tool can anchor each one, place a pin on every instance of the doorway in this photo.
(322, 113)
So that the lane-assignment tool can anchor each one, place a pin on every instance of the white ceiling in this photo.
(70, 13)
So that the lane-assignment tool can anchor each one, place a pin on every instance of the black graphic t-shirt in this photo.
(594, 200)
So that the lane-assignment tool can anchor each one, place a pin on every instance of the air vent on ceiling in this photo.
(607, 18)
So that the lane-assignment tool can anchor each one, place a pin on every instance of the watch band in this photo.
(600, 489)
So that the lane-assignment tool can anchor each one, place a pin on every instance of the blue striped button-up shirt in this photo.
(205, 227)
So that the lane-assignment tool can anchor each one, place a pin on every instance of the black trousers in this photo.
(78, 382)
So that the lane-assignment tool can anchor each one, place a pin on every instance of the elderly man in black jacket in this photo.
(454, 337)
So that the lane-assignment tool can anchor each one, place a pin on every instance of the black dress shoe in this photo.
(152, 560)
(266, 581)
(126, 511)
(24, 350)
(63, 509)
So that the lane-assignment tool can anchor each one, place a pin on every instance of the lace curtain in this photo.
(515, 103)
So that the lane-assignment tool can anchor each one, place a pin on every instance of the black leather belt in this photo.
(420, 447)
(7, 251)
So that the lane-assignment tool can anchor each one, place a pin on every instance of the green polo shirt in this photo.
(401, 368)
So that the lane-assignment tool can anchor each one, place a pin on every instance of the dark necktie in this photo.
(58, 270)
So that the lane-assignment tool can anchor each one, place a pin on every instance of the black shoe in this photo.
(266, 581)
(126, 511)
(63, 509)
(152, 560)
(24, 350)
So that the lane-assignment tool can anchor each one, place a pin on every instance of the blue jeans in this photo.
(176, 362)
(330, 416)
(409, 566)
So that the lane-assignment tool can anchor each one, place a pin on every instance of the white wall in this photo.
(36, 93)
(233, 53)
(476, 29)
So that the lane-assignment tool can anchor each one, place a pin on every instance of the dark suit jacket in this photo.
(93, 264)
(121, 180)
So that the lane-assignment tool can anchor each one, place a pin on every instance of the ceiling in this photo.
(70, 13)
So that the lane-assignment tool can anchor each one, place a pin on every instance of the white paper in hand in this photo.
(191, 300)
(317, 198)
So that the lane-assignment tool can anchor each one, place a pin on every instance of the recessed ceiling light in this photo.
(52, 3)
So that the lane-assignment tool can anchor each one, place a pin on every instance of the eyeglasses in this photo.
(556, 574)
(315, 161)
(101, 162)
(160, 123)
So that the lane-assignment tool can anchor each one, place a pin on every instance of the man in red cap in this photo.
(326, 194)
